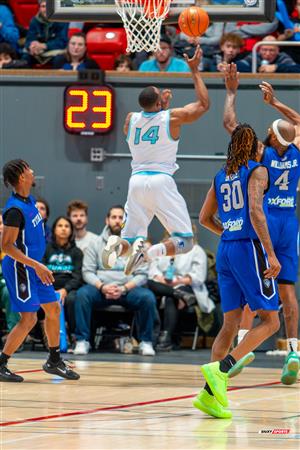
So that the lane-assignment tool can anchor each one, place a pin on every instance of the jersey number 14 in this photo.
(151, 135)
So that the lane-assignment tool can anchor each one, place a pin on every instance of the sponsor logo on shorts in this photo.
(22, 287)
(233, 225)
(287, 202)
(267, 282)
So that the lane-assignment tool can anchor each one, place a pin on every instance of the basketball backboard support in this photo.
(218, 10)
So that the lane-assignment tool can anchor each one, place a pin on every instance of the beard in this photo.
(116, 230)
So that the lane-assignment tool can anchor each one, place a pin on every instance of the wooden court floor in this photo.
(117, 405)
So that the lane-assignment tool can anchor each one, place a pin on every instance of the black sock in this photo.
(227, 363)
(3, 359)
(208, 389)
(54, 355)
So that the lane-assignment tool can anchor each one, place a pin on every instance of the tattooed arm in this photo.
(207, 214)
(257, 185)
(231, 82)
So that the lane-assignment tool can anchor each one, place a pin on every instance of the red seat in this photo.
(24, 11)
(105, 45)
(72, 31)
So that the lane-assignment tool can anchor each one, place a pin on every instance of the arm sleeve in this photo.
(9, 31)
(262, 29)
(154, 269)
(13, 218)
(213, 34)
(76, 281)
(89, 266)
(198, 271)
(61, 37)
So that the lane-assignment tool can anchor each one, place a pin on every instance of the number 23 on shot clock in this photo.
(88, 109)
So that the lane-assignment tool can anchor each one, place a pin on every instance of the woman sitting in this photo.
(75, 57)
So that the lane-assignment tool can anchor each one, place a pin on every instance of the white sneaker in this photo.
(82, 348)
(146, 349)
(111, 251)
(136, 257)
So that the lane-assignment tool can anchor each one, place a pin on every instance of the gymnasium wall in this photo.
(32, 128)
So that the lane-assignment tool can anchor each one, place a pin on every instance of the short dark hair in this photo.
(123, 59)
(166, 39)
(12, 171)
(7, 49)
(77, 204)
(42, 200)
(71, 238)
(114, 207)
(148, 97)
(78, 34)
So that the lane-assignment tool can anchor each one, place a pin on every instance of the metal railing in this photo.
(258, 44)
(191, 157)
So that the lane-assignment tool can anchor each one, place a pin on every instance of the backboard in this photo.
(218, 10)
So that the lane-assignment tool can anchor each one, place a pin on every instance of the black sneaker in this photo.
(7, 376)
(61, 369)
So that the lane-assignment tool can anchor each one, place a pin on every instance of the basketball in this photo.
(193, 21)
(154, 8)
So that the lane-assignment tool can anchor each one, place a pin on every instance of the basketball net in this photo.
(142, 21)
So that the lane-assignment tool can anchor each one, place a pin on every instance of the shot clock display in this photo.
(88, 110)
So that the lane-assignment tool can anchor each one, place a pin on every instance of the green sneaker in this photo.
(209, 405)
(240, 364)
(217, 381)
(290, 369)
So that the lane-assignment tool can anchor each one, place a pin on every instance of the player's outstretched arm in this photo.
(126, 123)
(232, 83)
(193, 111)
(207, 216)
(289, 113)
(257, 185)
(9, 237)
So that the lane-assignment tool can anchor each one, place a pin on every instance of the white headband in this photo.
(280, 139)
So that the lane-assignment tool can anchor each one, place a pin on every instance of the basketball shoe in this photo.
(111, 251)
(290, 369)
(209, 405)
(217, 381)
(61, 369)
(240, 364)
(136, 256)
(8, 376)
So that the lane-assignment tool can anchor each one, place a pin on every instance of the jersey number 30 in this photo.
(151, 135)
(233, 196)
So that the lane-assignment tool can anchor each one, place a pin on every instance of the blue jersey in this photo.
(232, 197)
(31, 240)
(284, 172)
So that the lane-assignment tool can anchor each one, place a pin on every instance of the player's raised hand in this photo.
(274, 269)
(166, 97)
(195, 60)
(231, 77)
(268, 92)
(44, 274)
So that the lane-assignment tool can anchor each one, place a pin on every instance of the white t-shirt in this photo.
(84, 242)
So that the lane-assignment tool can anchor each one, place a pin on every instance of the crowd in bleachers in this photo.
(159, 295)
(29, 40)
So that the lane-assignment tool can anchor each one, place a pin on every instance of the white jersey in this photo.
(150, 143)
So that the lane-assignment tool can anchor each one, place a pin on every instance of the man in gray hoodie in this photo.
(112, 287)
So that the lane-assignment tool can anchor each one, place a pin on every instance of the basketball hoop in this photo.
(142, 21)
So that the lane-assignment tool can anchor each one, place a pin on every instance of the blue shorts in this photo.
(26, 291)
(284, 231)
(240, 267)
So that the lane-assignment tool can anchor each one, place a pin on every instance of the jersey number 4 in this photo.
(233, 196)
(283, 181)
(151, 135)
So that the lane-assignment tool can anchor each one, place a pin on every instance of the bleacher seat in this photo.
(24, 11)
(105, 45)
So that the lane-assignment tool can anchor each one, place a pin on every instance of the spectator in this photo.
(123, 64)
(181, 279)
(288, 34)
(77, 212)
(230, 45)
(163, 60)
(8, 31)
(8, 58)
(75, 57)
(11, 318)
(64, 259)
(44, 210)
(45, 39)
(113, 287)
(269, 59)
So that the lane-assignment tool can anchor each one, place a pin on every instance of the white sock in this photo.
(292, 345)
(156, 250)
(241, 334)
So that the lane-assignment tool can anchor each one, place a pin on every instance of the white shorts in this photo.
(155, 195)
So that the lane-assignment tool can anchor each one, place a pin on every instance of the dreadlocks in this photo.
(242, 148)
(12, 171)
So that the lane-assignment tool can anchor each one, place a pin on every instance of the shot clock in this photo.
(88, 109)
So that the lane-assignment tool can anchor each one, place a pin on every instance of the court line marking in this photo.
(126, 406)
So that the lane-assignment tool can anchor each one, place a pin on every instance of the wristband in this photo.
(101, 287)
(124, 290)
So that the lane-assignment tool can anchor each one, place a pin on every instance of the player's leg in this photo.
(14, 339)
(54, 364)
(246, 323)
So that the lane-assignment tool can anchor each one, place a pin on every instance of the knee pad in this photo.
(182, 244)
